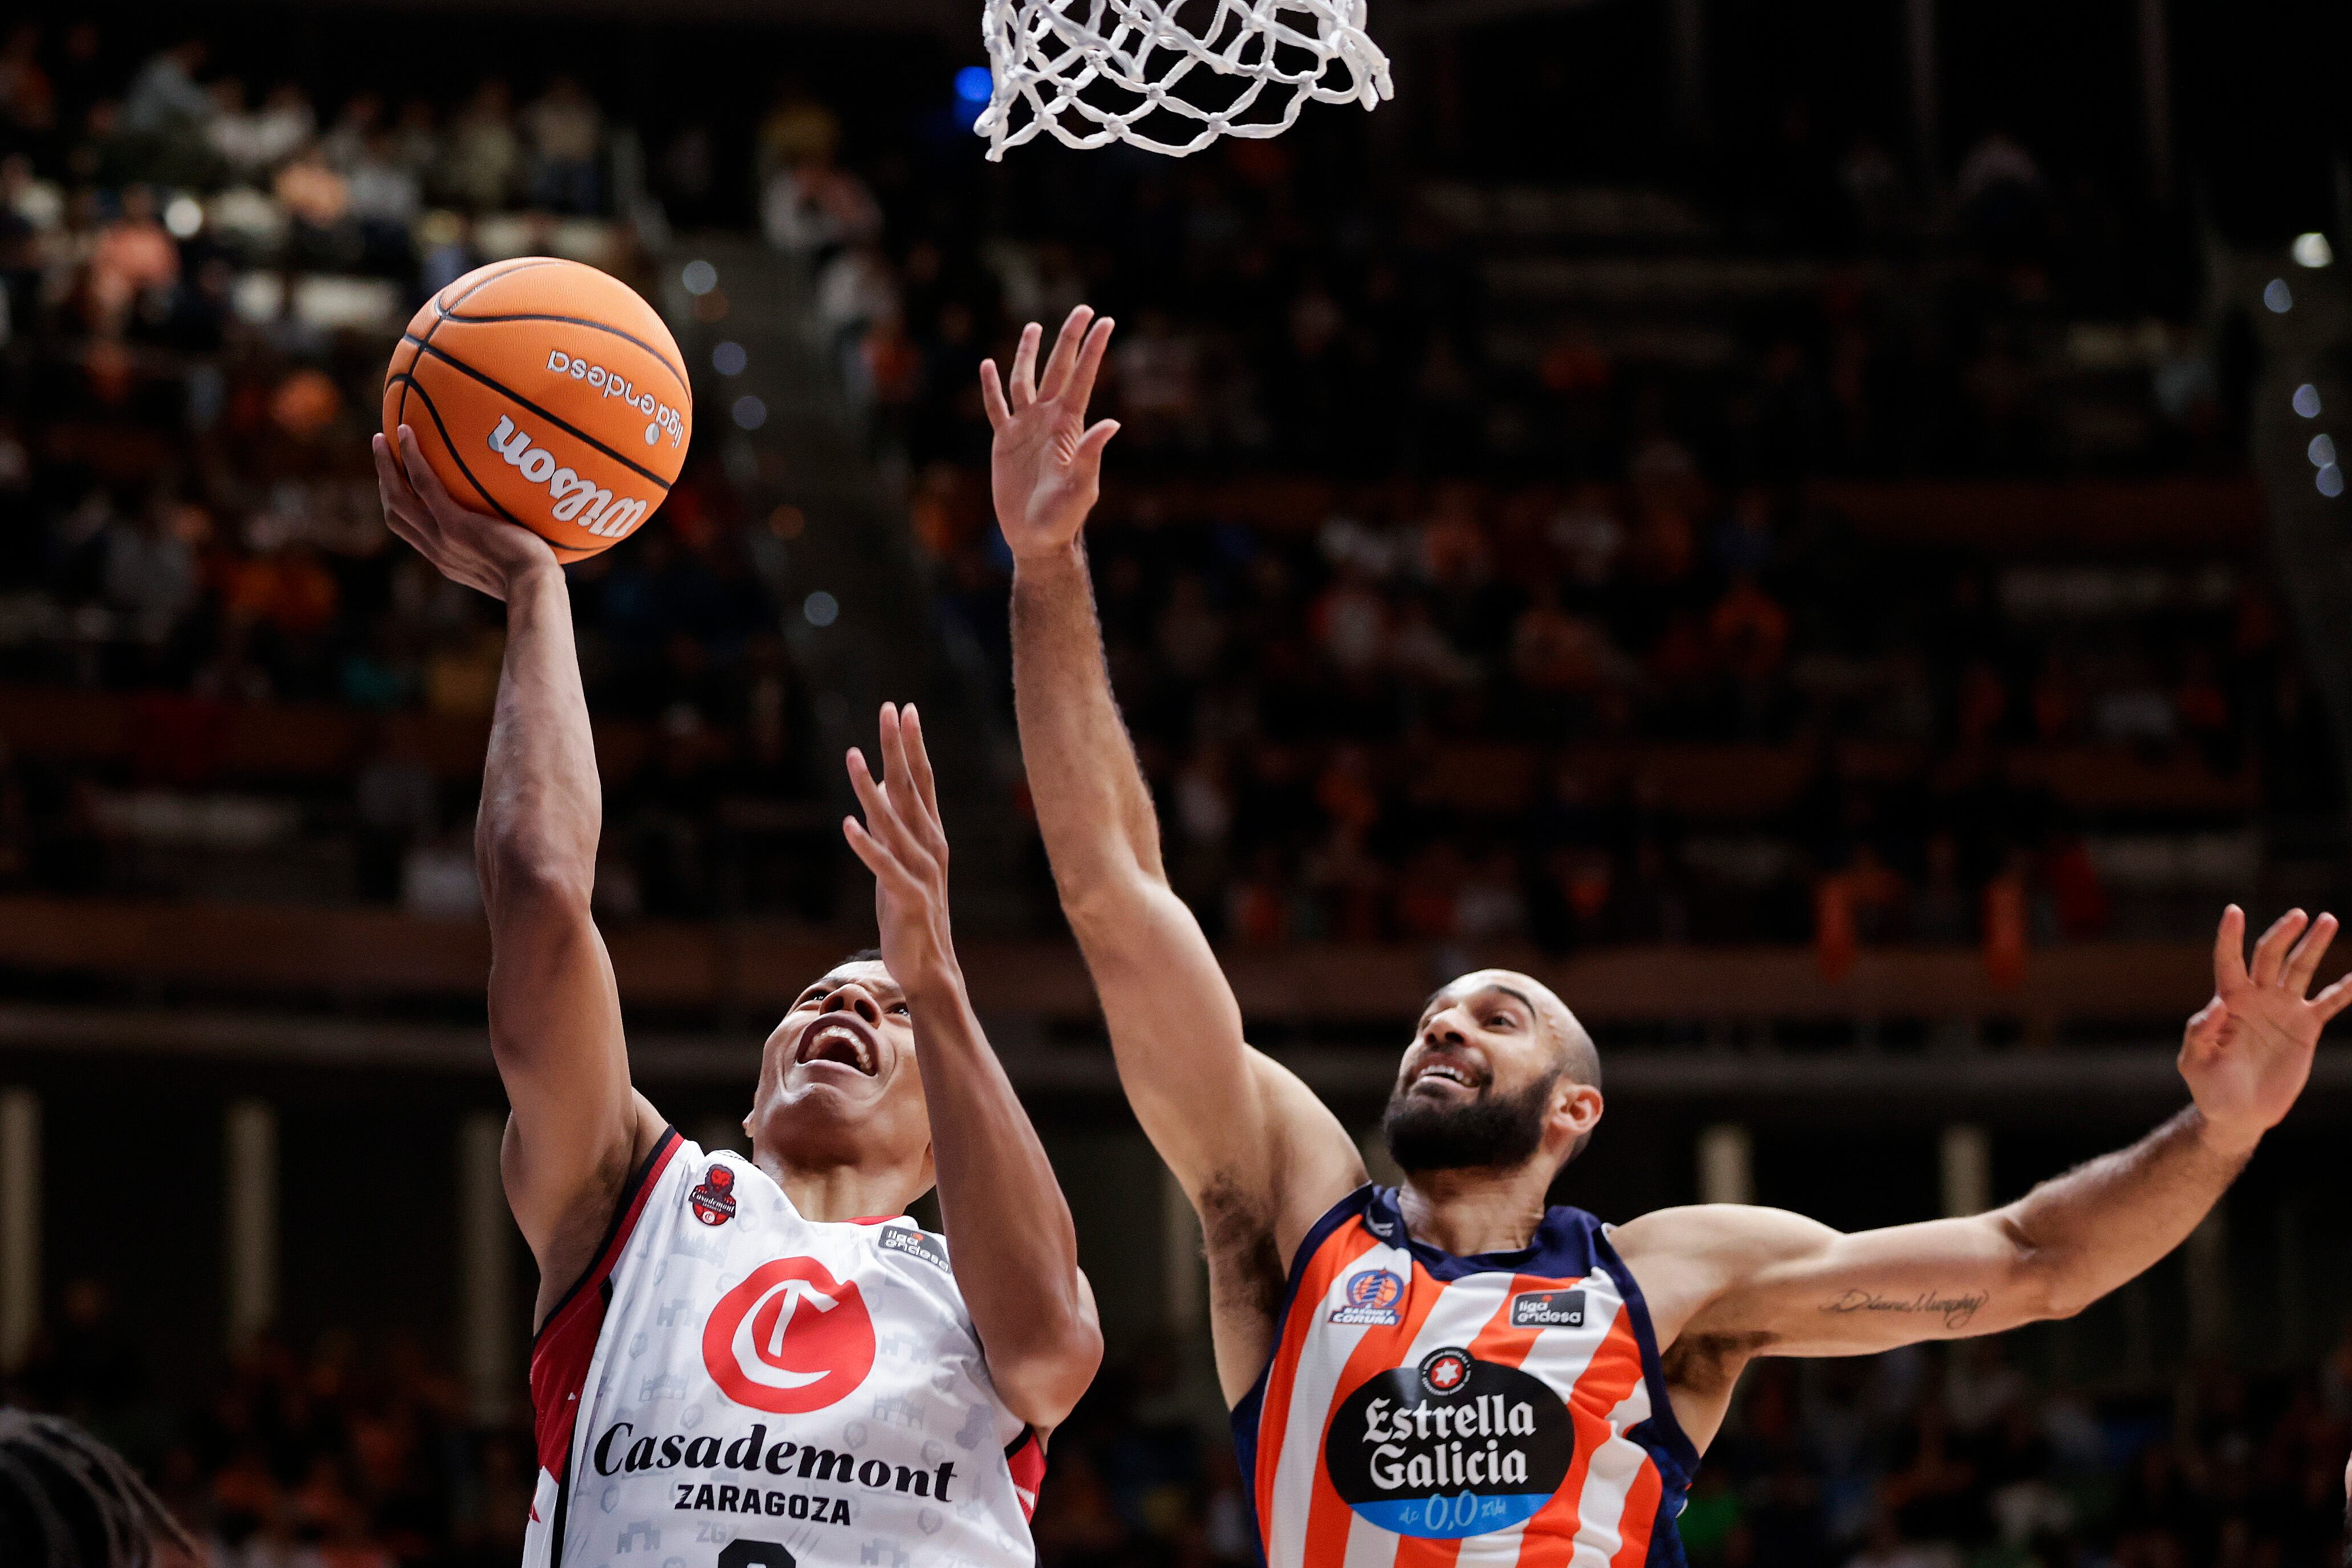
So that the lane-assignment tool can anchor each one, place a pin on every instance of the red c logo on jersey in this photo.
(790, 1339)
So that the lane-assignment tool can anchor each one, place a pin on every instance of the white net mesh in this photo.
(1096, 71)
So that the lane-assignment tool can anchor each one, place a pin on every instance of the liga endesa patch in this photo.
(1452, 1447)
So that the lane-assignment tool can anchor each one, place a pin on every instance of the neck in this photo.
(1471, 1211)
(832, 1194)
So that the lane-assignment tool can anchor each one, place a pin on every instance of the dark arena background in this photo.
(1815, 529)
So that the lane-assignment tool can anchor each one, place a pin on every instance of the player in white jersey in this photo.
(756, 1362)
(1457, 1371)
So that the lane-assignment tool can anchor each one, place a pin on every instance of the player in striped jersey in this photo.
(1453, 1370)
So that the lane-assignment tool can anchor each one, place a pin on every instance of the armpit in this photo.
(1707, 1364)
(1245, 1268)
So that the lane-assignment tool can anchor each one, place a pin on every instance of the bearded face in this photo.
(1489, 1130)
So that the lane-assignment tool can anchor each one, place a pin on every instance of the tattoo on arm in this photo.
(1957, 1308)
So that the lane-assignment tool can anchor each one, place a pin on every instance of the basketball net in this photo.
(1091, 71)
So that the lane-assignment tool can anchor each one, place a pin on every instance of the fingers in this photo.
(423, 480)
(2333, 1001)
(2230, 951)
(1091, 444)
(2270, 953)
(916, 815)
(1081, 385)
(992, 395)
(918, 765)
(2304, 961)
(2204, 1034)
(1065, 351)
(889, 874)
(404, 514)
(883, 820)
(1024, 367)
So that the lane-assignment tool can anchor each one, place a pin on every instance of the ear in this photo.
(1579, 1104)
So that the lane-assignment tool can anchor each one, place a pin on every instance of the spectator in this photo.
(483, 158)
(133, 257)
(318, 203)
(385, 199)
(163, 97)
(566, 135)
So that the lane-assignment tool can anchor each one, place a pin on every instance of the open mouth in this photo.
(841, 1041)
(1444, 1073)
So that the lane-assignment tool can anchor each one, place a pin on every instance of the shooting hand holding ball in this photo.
(481, 552)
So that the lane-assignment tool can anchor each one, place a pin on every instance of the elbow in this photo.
(2048, 1290)
(1046, 1370)
(2045, 1282)
(535, 879)
(1100, 903)
(2060, 1297)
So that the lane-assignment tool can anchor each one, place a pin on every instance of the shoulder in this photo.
(1685, 1258)
(1717, 1230)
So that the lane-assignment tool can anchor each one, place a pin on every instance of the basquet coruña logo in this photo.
(1452, 1447)
(713, 1202)
(1372, 1298)
(790, 1339)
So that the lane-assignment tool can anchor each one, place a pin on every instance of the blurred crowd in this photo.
(344, 1452)
(1583, 715)
(1469, 572)
(1571, 515)
(199, 283)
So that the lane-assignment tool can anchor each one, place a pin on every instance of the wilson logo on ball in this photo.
(575, 497)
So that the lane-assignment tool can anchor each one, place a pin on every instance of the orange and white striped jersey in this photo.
(1423, 1408)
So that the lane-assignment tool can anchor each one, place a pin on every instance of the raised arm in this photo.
(1010, 1240)
(1728, 1282)
(1260, 1157)
(576, 1126)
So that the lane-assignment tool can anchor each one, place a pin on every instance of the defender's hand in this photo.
(1045, 466)
(2247, 1053)
(904, 846)
(479, 551)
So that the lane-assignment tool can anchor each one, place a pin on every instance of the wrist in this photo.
(935, 982)
(1055, 562)
(2229, 1139)
(539, 576)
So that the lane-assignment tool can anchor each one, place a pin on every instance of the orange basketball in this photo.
(548, 393)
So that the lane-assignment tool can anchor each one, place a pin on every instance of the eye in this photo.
(902, 1008)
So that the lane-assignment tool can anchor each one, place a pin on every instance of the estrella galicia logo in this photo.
(1548, 1310)
(1453, 1447)
(714, 1201)
(1372, 1298)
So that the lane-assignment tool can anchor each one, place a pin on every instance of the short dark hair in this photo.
(67, 1500)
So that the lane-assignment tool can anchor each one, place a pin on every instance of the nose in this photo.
(1446, 1028)
(853, 997)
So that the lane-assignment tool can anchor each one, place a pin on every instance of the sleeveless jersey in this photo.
(731, 1386)
(1423, 1408)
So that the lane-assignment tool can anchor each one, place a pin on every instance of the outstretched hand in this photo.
(467, 546)
(1045, 466)
(904, 844)
(2247, 1053)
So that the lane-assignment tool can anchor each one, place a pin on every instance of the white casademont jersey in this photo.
(731, 1386)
